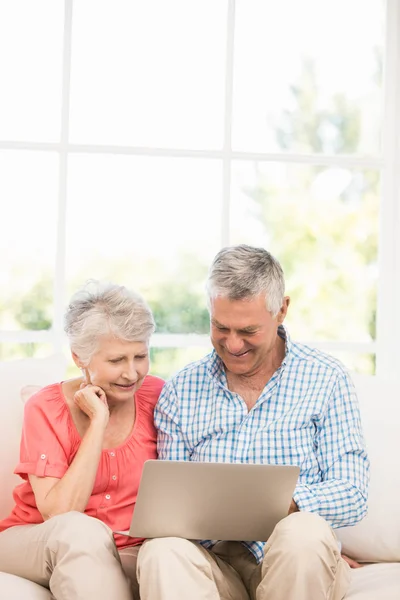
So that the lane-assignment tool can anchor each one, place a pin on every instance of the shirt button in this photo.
(42, 456)
(108, 496)
(114, 477)
(112, 453)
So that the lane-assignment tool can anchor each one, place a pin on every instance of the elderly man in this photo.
(261, 398)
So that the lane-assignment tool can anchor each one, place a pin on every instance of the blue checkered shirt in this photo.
(307, 415)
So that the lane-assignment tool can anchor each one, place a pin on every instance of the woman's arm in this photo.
(72, 492)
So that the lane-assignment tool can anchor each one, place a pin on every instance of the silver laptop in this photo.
(215, 501)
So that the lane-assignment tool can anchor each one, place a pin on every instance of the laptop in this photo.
(215, 501)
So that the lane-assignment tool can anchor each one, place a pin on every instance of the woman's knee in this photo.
(79, 530)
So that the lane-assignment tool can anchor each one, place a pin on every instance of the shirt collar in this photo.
(216, 366)
(284, 335)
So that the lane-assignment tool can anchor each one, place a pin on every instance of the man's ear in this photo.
(283, 310)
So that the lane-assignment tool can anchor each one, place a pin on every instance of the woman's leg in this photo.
(128, 558)
(72, 554)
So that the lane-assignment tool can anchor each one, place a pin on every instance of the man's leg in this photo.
(72, 554)
(302, 561)
(178, 569)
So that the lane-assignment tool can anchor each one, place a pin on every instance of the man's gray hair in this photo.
(103, 308)
(243, 272)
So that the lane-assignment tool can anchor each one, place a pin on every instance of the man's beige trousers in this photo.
(302, 562)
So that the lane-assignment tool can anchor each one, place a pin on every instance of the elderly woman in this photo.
(83, 446)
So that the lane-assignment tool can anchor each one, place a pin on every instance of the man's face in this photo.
(243, 332)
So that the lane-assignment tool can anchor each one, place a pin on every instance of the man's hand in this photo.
(293, 507)
(351, 562)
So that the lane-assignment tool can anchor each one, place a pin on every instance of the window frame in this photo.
(388, 163)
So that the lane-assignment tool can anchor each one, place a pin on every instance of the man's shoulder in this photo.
(316, 358)
(187, 381)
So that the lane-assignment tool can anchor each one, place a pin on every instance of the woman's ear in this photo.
(79, 364)
(76, 360)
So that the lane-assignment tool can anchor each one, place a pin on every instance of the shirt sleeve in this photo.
(341, 496)
(44, 441)
(170, 440)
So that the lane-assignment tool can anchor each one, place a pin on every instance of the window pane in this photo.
(322, 224)
(360, 363)
(151, 224)
(308, 76)
(28, 192)
(31, 39)
(71, 370)
(14, 351)
(165, 362)
(148, 73)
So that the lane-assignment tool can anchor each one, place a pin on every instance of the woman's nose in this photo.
(130, 371)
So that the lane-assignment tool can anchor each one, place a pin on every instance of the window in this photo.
(136, 139)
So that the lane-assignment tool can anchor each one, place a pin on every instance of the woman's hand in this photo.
(92, 400)
(351, 562)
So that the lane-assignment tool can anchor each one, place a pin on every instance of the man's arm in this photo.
(170, 440)
(341, 496)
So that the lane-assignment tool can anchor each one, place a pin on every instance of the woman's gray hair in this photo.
(243, 272)
(103, 308)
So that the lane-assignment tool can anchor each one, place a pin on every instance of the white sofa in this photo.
(375, 540)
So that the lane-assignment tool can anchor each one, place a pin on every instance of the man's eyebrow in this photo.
(215, 322)
(248, 329)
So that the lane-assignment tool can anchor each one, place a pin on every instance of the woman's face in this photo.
(118, 367)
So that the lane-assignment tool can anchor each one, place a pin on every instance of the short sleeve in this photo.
(45, 442)
(150, 390)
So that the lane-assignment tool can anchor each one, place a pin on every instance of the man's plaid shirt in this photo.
(307, 415)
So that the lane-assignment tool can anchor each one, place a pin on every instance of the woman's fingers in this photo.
(91, 400)
(351, 562)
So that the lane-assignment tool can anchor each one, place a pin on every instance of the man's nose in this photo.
(234, 344)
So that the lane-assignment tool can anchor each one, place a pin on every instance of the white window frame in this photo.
(388, 302)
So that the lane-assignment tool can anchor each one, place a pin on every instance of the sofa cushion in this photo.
(372, 582)
(15, 375)
(377, 537)
(16, 588)
(375, 582)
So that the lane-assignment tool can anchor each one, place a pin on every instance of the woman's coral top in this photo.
(50, 442)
